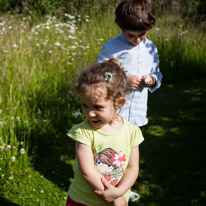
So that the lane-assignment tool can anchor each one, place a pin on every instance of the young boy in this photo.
(138, 55)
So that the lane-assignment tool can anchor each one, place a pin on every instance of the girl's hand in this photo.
(147, 81)
(120, 202)
(110, 193)
(133, 82)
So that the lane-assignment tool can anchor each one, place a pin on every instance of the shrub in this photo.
(193, 10)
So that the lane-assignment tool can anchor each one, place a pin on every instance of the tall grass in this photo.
(181, 48)
(39, 64)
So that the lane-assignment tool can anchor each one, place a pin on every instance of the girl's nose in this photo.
(91, 113)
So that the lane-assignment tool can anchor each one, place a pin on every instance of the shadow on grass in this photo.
(52, 151)
(172, 157)
(4, 202)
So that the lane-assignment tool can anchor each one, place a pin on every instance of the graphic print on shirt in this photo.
(110, 164)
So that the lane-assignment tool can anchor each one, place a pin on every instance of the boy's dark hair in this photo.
(95, 75)
(135, 15)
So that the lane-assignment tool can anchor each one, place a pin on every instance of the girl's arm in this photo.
(86, 163)
(131, 172)
(111, 193)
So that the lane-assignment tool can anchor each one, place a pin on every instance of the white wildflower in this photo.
(71, 37)
(22, 151)
(13, 159)
(71, 17)
(108, 76)
(147, 79)
(57, 44)
(8, 147)
(76, 114)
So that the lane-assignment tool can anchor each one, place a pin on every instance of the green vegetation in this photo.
(40, 59)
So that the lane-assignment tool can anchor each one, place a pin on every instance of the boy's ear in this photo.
(120, 102)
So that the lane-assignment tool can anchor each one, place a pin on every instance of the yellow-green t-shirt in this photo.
(111, 153)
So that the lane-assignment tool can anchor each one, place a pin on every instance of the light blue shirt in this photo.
(137, 60)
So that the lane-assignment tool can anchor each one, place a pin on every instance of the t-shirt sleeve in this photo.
(137, 137)
(77, 133)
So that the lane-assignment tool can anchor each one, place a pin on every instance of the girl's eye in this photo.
(98, 108)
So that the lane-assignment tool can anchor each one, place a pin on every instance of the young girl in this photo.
(107, 146)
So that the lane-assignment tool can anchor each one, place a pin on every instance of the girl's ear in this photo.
(120, 102)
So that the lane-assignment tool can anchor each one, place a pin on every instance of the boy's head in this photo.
(135, 15)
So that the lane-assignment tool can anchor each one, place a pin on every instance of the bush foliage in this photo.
(193, 9)
(48, 6)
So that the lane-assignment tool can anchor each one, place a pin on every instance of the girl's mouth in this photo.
(95, 122)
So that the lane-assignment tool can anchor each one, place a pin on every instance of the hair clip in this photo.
(108, 76)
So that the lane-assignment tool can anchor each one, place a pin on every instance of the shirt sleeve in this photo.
(156, 72)
(104, 54)
(77, 133)
(137, 137)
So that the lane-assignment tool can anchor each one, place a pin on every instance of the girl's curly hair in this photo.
(95, 74)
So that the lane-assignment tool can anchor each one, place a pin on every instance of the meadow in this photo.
(40, 60)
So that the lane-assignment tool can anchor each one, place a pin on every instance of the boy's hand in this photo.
(134, 82)
(147, 81)
(110, 192)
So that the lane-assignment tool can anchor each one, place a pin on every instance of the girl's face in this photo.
(97, 109)
(135, 37)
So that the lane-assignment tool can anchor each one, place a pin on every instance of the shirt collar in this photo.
(122, 36)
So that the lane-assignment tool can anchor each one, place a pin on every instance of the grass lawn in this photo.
(172, 157)
(172, 168)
